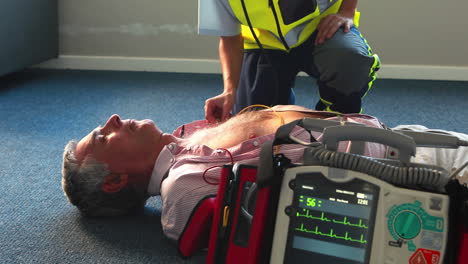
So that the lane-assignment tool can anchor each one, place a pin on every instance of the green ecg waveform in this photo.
(331, 234)
(323, 218)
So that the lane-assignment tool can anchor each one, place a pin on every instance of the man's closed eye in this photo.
(102, 138)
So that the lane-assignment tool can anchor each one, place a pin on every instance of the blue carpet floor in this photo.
(41, 110)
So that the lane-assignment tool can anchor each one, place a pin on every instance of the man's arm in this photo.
(231, 51)
(330, 24)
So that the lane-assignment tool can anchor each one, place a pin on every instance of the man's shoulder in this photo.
(215, 17)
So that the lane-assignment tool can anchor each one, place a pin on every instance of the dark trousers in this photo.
(344, 68)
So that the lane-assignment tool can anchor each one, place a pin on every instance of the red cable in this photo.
(216, 166)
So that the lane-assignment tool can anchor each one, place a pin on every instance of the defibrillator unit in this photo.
(341, 208)
(340, 216)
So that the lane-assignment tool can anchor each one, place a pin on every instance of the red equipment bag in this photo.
(197, 231)
(463, 247)
(238, 233)
(458, 238)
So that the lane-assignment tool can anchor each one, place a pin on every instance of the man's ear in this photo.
(114, 182)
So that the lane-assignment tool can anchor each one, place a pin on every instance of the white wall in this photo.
(419, 39)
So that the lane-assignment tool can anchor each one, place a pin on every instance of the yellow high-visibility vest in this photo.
(296, 21)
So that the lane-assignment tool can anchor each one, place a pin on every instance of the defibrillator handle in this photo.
(313, 124)
(405, 145)
(433, 138)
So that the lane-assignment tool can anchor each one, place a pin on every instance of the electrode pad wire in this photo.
(455, 173)
(217, 166)
(264, 106)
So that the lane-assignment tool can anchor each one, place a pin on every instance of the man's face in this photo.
(126, 146)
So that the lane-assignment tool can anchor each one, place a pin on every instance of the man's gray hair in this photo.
(81, 183)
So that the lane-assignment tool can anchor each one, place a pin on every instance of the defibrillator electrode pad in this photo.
(329, 215)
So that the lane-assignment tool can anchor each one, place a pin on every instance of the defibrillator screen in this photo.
(331, 222)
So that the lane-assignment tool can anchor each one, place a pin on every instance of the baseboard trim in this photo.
(392, 71)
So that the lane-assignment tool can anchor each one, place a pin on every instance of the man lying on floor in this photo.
(115, 168)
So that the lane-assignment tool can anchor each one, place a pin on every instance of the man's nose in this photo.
(114, 122)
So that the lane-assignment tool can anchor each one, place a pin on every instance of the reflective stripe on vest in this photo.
(297, 20)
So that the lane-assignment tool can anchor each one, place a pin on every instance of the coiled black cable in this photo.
(411, 174)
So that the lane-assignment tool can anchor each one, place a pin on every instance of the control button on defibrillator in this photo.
(292, 184)
(432, 240)
(407, 225)
(397, 243)
(288, 210)
(435, 203)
